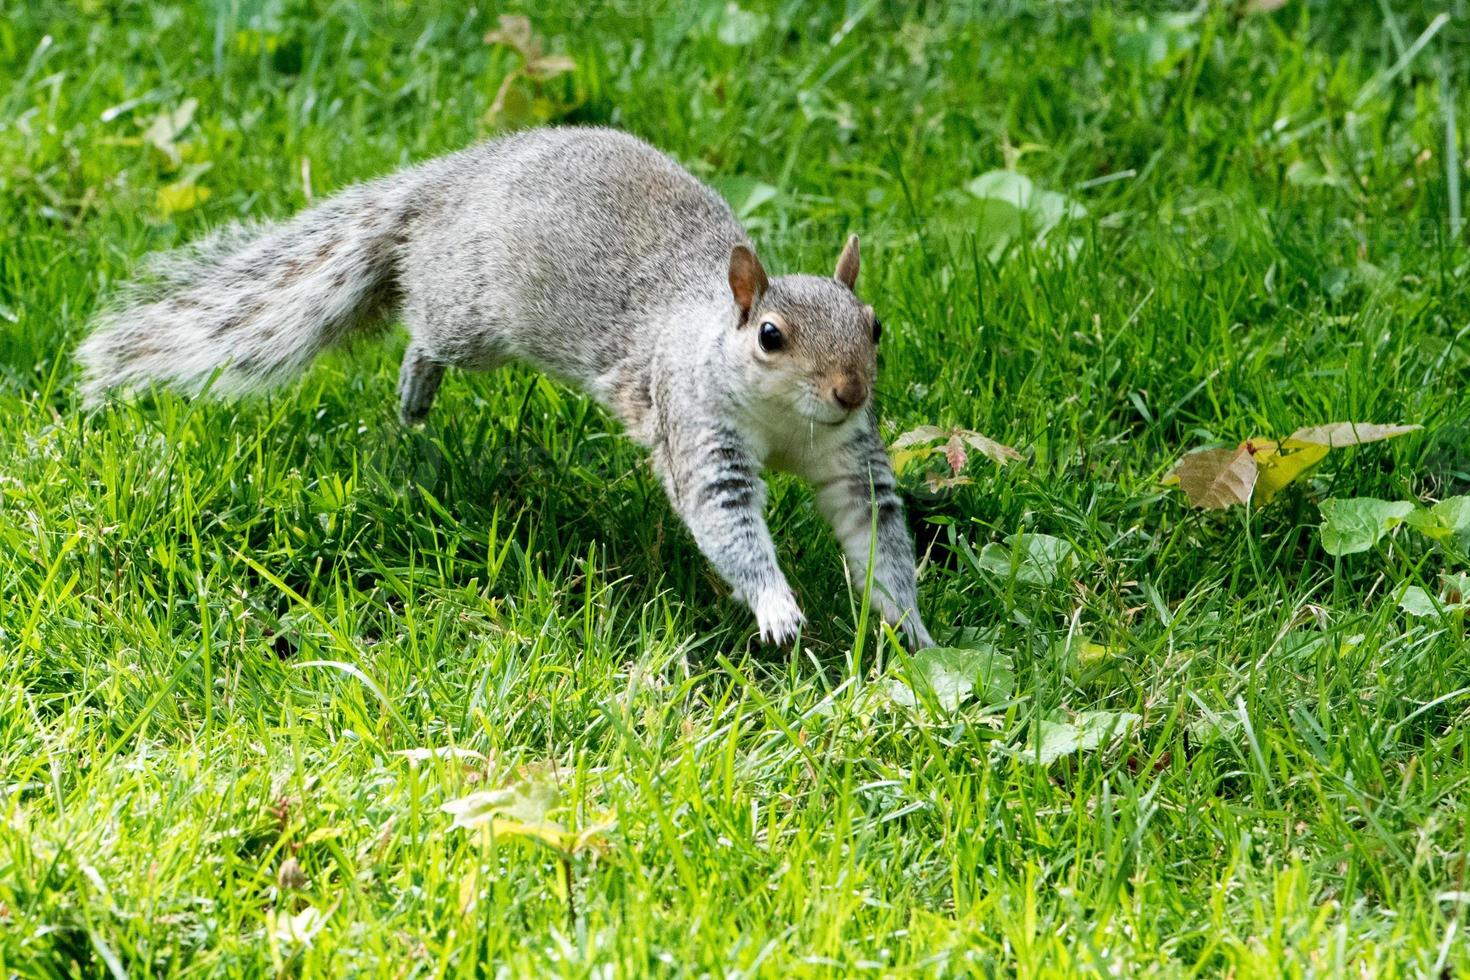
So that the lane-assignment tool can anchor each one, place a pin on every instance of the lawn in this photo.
(249, 651)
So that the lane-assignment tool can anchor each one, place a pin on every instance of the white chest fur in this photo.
(787, 441)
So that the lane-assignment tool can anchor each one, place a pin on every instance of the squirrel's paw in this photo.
(907, 622)
(914, 632)
(778, 615)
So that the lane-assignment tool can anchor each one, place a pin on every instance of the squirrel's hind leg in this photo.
(418, 382)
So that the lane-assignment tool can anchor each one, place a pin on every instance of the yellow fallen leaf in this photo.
(547, 831)
(1277, 469)
(469, 890)
(1260, 469)
(554, 835)
(1089, 653)
(181, 196)
(904, 458)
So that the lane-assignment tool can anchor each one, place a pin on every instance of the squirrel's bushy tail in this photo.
(256, 303)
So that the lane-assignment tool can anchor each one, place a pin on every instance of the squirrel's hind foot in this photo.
(418, 383)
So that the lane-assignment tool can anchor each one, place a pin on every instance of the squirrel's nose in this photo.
(850, 392)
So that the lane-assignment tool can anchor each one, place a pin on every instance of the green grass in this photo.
(220, 623)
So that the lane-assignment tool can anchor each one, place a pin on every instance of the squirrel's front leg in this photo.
(713, 481)
(855, 489)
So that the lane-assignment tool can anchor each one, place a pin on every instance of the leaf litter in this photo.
(1258, 469)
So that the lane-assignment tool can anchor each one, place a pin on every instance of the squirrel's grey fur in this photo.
(591, 256)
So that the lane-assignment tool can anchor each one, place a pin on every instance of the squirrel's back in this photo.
(556, 246)
(559, 246)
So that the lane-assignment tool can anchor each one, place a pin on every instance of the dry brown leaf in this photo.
(1336, 435)
(549, 66)
(515, 32)
(513, 102)
(1215, 479)
(937, 483)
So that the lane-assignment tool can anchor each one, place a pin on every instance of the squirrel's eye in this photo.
(770, 337)
(877, 329)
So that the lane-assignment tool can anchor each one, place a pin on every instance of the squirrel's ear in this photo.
(847, 263)
(747, 278)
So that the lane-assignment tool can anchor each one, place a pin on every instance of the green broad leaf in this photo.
(1417, 601)
(1156, 44)
(522, 811)
(1450, 518)
(1035, 559)
(527, 801)
(1354, 524)
(1004, 186)
(1316, 172)
(1050, 208)
(296, 930)
(1454, 513)
(165, 129)
(740, 27)
(1212, 726)
(997, 224)
(1456, 587)
(745, 194)
(1053, 740)
(1008, 207)
(1086, 732)
(1096, 728)
(951, 675)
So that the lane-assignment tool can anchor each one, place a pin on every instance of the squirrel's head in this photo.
(805, 341)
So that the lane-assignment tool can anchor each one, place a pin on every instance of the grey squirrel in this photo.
(595, 258)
